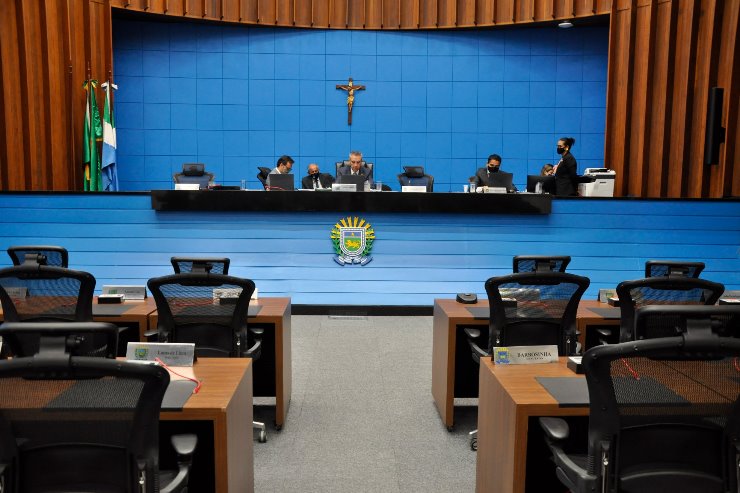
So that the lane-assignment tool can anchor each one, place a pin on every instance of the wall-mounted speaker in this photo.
(715, 132)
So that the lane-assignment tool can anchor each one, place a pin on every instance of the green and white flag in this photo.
(93, 134)
(109, 173)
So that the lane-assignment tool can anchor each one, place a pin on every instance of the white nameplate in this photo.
(414, 188)
(187, 186)
(129, 292)
(525, 355)
(172, 354)
(344, 187)
(494, 189)
(17, 293)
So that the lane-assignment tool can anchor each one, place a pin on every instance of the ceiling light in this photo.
(565, 24)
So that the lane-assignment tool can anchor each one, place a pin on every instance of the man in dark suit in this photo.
(315, 179)
(356, 168)
(491, 174)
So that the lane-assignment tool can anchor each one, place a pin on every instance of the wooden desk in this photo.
(509, 396)
(225, 399)
(275, 315)
(449, 318)
(134, 312)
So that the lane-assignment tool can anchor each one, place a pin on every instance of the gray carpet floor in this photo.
(362, 418)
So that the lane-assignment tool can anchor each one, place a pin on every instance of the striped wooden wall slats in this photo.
(417, 257)
(664, 57)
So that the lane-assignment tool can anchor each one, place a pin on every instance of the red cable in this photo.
(197, 382)
(634, 373)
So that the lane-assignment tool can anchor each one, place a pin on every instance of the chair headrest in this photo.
(193, 169)
(413, 171)
(264, 171)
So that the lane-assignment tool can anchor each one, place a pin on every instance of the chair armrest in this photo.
(184, 445)
(151, 335)
(472, 332)
(478, 351)
(556, 429)
(253, 352)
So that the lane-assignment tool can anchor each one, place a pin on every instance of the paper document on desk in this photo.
(525, 355)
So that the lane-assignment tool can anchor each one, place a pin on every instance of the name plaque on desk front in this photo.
(525, 355)
(172, 353)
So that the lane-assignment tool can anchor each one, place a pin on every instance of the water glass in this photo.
(243, 185)
(378, 186)
(465, 189)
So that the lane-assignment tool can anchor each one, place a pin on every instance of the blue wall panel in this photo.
(227, 95)
(416, 257)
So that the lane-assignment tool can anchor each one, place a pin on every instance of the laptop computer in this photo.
(280, 182)
(357, 180)
(502, 180)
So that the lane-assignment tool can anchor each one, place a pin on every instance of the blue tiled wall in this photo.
(236, 98)
(416, 257)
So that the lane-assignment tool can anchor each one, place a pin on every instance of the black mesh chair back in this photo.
(541, 263)
(262, 175)
(80, 424)
(209, 310)
(664, 412)
(670, 268)
(202, 265)
(194, 173)
(665, 416)
(94, 339)
(654, 321)
(41, 293)
(415, 176)
(44, 254)
(534, 309)
(662, 291)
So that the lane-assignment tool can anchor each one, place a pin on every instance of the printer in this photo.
(601, 183)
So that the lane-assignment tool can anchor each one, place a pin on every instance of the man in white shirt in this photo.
(284, 165)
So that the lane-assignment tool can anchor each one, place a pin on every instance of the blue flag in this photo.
(108, 164)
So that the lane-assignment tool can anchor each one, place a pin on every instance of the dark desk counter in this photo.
(353, 202)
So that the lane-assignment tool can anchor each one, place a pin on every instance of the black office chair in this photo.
(662, 291)
(541, 263)
(262, 175)
(212, 265)
(655, 321)
(94, 339)
(671, 268)
(194, 173)
(414, 175)
(41, 254)
(210, 311)
(663, 415)
(529, 309)
(37, 293)
(368, 167)
(85, 424)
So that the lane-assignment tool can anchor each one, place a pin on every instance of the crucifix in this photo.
(350, 88)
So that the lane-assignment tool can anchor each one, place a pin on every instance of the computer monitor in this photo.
(280, 181)
(548, 183)
(502, 180)
(358, 180)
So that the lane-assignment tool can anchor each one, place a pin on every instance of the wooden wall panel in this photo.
(391, 14)
(664, 57)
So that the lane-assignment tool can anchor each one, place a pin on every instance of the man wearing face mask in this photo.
(492, 174)
(566, 171)
(316, 180)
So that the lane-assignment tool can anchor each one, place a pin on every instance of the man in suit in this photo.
(284, 165)
(356, 168)
(485, 177)
(316, 179)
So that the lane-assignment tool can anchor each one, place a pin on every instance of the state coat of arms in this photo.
(353, 239)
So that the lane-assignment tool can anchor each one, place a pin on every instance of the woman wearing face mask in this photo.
(566, 171)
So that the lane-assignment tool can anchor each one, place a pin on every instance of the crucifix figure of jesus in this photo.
(350, 87)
